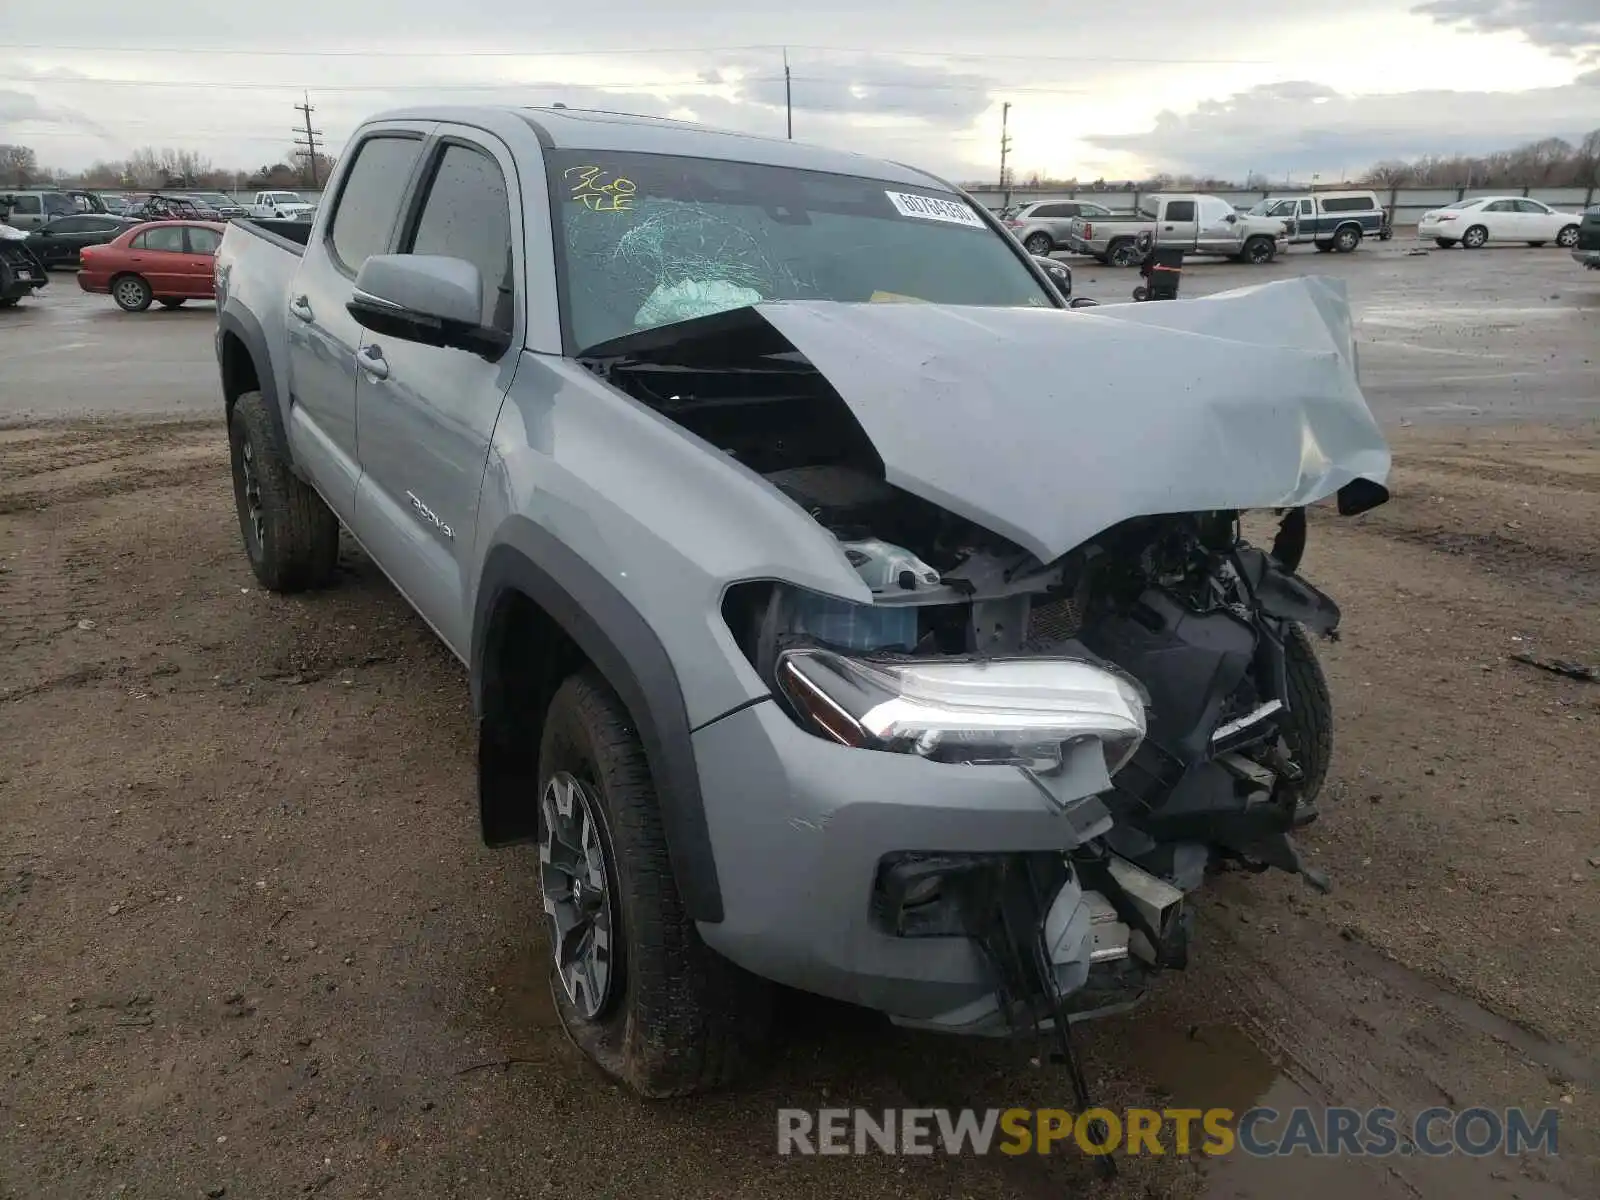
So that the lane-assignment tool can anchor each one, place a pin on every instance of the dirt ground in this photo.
(254, 948)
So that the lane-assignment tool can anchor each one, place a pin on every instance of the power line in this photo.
(502, 85)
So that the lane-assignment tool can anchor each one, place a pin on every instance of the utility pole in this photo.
(1005, 149)
(308, 142)
(788, 96)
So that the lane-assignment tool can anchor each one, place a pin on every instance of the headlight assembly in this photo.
(1017, 711)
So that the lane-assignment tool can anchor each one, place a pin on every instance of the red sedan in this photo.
(169, 261)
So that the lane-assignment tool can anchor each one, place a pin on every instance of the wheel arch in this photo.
(245, 366)
(542, 613)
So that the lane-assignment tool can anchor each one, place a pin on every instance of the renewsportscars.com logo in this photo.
(1260, 1132)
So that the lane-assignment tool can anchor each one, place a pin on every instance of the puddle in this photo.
(1220, 1066)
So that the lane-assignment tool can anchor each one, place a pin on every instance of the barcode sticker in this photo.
(931, 208)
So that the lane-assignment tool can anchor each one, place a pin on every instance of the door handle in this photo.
(301, 307)
(373, 362)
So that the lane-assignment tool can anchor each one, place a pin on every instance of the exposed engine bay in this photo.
(1207, 637)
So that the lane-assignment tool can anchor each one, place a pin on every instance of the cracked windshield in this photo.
(652, 239)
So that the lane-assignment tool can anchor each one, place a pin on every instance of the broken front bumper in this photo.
(801, 828)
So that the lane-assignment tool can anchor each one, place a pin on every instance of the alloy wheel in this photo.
(252, 497)
(129, 293)
(577, 887)
(1568, 237)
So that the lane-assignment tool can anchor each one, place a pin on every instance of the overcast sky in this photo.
(1286, 86)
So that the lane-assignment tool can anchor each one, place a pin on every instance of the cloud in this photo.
(1568, 27)
(1305, 127)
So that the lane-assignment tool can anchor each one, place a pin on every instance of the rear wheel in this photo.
(1474, 238)
(1039, 243)
(131, 293)
(1444, 243)
(1568, 237)
(1347, 239)
(1123, 253)
(635, 987)
(290, 535)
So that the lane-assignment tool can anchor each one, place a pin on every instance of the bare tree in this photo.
(19, 165)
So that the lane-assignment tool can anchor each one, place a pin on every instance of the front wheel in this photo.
(1259, 250)
(1568, 237)
(290, 535)
(1308, 728)
(131, 293)
(635, 987)
(1039, 243)
(1324, 247)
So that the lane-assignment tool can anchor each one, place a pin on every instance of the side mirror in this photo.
(1232, 218)
(426, 298)
(1057, 273)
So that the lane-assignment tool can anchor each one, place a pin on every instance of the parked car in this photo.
(21, 274)
(1484, 219)
(1587, 249)
(224, 206)
(30, 208)
(58, 242)
(283, 206)
(1329, 220)
(1196, 224)
(165, 261)
(811, 610)
(1043, 226)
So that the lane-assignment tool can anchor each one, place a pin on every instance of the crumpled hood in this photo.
(1048, 427)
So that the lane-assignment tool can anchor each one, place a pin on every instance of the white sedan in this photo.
(1485, 219)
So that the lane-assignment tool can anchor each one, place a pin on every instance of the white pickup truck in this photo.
(1199, 224)
(283, 206)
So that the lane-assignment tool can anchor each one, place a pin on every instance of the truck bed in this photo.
(286, 235)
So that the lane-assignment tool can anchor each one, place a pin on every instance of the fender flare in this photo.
(238, 321)
(616, 639)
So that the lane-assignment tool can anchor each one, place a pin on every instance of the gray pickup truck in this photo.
(841, 610)
(1198, 224)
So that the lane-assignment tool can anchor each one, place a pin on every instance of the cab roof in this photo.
(595, 129)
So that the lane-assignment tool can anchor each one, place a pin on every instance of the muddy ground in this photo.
(252, 941)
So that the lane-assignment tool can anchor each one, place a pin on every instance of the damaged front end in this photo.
(1025, 605)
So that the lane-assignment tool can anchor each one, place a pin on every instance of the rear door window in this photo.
(370, 199)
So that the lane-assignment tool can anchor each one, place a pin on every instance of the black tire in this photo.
(9, 301)
(290, 535)
(1259, 251)
(1568, 237)
(1346, 239)
(1140, 293)
(1308, 729)
(1124, 252)
(171, 304)
(1039, 243)
(677, 1018)
(1324, 247)
(1444, 243)
(1475, 238)
(131, 293)
(1535, 245)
